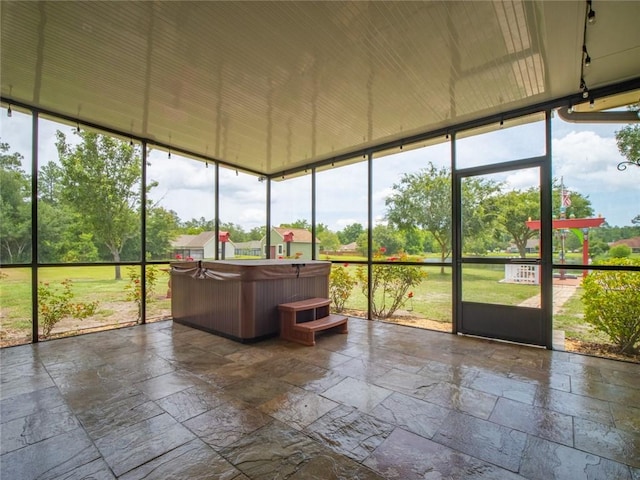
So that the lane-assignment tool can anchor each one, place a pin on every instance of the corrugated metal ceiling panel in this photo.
(270, 86)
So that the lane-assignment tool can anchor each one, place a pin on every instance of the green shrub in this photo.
(53, 306)
(612, 303)
(620, 251)
(390, 284)
(134, 287)
(341, 285)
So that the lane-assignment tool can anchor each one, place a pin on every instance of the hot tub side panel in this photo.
(260, 316)
(202, 305)
(240, 301)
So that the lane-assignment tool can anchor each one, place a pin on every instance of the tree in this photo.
(61, 236)
(101, 180)
(514, 208)
(300, 223)
(196, 226)
(162, 228)
(15, 208)
(61, 233)
(321, 227)
(350, 233)
(580, 204)
(383, 237)
(257, 233)
(628, 140)
(329, 241)
(414, 241)
(236, 232)
(479, 213)
(49, 183)
(423, 200)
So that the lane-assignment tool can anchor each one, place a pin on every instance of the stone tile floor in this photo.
(164, 401)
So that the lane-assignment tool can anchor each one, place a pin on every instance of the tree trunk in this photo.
(116, 258)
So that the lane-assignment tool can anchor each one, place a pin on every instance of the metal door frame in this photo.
(504, 322)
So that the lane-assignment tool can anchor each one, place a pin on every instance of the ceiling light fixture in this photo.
(591, 13)
(585, 90)
(592, 103)
(9, 112)
(587, 58)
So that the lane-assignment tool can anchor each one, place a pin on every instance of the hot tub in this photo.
(239, 299)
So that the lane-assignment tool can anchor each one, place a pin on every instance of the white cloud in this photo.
(523, 179)
(588, 163)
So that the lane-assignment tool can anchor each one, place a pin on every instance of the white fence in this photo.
(527, 274)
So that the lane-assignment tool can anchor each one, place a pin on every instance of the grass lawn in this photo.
(570, 318)
(96, 283)
(432, 298)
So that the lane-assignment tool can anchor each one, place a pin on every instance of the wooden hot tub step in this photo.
(304, 332)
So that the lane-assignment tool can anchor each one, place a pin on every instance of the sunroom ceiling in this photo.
(271, 86)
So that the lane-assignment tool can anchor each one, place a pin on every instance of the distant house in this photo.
(200, 246)
(633, 243)
(533, 246)
(301, 245)
(252, 248)
(349, 248)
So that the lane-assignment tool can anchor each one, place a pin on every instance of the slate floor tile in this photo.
(357, 393)
(407, 456)
(412, 414)
(545, 460)
(128, 448)
(191, 461)
(227, 423)
(553, 426)
(349, 431)
(485, 440)
(165, 401)
(55, 457)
